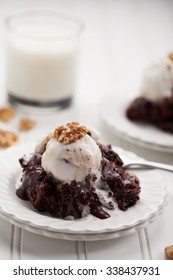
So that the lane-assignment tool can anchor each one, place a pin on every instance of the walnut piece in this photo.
(70, 132)
(6, 113)
(7, 138)
(169, 252)
(26, 124)
(170, 56)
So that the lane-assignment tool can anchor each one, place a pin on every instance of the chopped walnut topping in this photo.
(6, 113)
(26, 124)
(169, 252)
(70, 132)
(170, 56)
(7, 138)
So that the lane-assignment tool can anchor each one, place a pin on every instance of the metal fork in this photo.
(138, 163)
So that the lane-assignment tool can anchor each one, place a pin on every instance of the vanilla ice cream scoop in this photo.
(157, 81)
(71, 161)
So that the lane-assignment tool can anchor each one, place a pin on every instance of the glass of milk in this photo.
(42, 52)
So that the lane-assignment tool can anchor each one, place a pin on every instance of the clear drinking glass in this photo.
(42, 54)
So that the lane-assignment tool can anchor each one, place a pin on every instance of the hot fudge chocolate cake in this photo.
(71, 175)
(155, 103)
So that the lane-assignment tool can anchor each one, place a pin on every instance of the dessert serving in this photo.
(155, 103)
(71, 175)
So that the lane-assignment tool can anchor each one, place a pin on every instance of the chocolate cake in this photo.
(154, 105)
(94, 194)
(159, 114)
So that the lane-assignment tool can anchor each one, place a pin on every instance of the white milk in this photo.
(39, 66)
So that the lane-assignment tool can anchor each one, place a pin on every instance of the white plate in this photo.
(152, 200)
(113, 113)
